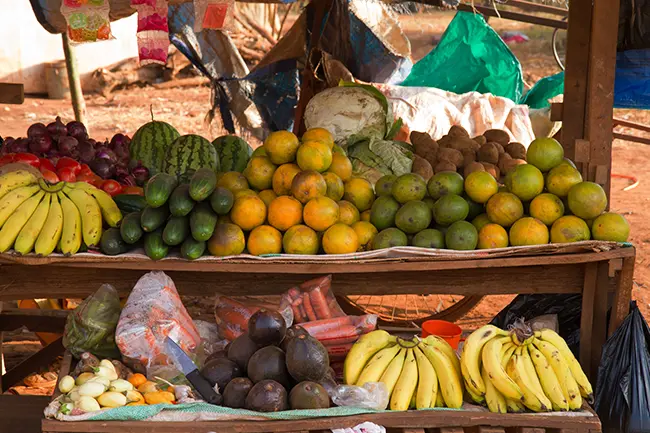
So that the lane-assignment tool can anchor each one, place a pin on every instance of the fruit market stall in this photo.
(456, 213)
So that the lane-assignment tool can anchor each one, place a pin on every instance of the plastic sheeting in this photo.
(634, 25)
(471, 56)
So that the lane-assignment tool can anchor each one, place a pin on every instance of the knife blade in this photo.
(191, 372)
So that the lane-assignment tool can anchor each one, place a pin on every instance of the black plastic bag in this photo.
(623, 388)
(567, 307)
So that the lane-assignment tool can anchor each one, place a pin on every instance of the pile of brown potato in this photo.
(457, 151)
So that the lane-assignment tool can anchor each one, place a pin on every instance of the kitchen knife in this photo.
(191, 372)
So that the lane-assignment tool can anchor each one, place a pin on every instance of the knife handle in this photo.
(203, 387)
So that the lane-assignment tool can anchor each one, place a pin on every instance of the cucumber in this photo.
(130, 229)
(202, 222)
(154, 247)
(176, 231)
(130, 203)
(192, 249)
(221, 200)
(203, 182)
(159, 188)
(111, 243)
(153, 218)
(180, 202)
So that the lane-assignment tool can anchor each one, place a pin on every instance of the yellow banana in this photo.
(515, 406)
(507, 354)
(444, 347)
(361, 352)
(29, 233)
(50, 234)
(91, 215)
(427, 390)
(552, 337)
(530, 371)
(111, 213)
(70, 241)
(406, 384)
(496, 402)
(548, 379)
(373, 371)
(10, 202)
(440, 401)
(391, 374)
(17, 221)
(16, 179)
(475, 398)
(472, 355)
(451, 386)
(517, 371)
(505, 347)
(494, 370)
(568, 384)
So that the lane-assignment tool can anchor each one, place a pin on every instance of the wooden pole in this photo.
(599, 122)
(78, 103)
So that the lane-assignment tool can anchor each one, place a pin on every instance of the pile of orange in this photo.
(298, 196)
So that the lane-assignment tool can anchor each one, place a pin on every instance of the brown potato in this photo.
(471, 168)
(462, 143)
(469, 156)
(488, 153)
(502, 160)
(444, 165)
(497, 135)
(425, 146)
(480, 140)
(452, 155)
(516, 150)
(492, 169)
(499, 147)
(445, 141)
(458, 131)
(422, 167)
(510, 164)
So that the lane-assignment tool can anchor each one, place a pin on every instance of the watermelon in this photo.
(187, 154)
(150, 142)
(233, 152)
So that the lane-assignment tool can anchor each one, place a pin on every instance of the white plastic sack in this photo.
(434, 111)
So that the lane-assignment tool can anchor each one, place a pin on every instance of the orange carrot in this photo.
(330, 328)
(320, 304)
(308, 307)
(322, 283)
(338, 341)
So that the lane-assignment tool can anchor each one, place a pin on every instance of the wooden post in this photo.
(575, 77)
(600, 91)
(78, 103)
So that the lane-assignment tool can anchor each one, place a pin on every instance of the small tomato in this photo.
(7, 159)
(85, 169)
(67, 174)
(67, 162)
(112, 187)
(133, 190)
(50, 176)
(97, 181)
(28, 158)
(46, 164)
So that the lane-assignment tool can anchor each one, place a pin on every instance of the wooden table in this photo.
(596, 275)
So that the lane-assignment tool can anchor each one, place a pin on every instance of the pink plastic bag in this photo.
(232, 316)
(153, 312)
(312, 300)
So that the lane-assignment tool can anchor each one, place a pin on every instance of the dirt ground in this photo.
(185, 108)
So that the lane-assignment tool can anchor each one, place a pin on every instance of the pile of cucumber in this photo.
(173, 214)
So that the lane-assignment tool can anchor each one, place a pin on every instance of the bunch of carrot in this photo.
(313, 300)
(232, 317)
(340, 333)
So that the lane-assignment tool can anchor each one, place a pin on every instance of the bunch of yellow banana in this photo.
(40, 217)
(418, 373)
(507, 374)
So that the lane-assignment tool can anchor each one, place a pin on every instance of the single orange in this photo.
(340, 239)
(307, 185)
(300, 239)
(320, 213)
(285, 212)
(281, 147)
(341, 166)
(264, 240)
(248, 212)
(348, 214)
(283, 177)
